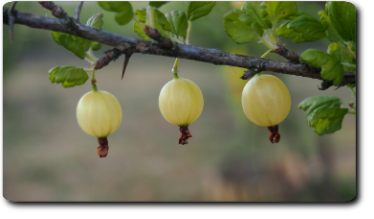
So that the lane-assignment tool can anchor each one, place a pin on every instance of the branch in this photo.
(214, 56)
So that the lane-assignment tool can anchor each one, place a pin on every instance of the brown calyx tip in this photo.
(185, 134)
(274, 136)
(103, 148)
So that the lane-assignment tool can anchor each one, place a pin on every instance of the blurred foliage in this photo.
(48, 158)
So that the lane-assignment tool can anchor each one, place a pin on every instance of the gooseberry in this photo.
(99, 114)
(181, 103)
(266, 102)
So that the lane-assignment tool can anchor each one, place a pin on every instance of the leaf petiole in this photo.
(188, 32)
(90, 57)
(349, 52)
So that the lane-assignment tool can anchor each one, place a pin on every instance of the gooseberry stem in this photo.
(175, 69)
(93, 81)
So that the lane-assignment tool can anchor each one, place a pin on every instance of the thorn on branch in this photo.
(325, 85)
(78, 11)
(11, 13)
(126, 61)
(248, 74)
(283, 51)
(111, 55)
(155, 35)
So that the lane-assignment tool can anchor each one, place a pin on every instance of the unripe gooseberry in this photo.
(266, 102)
(181, 103)
(99, 114)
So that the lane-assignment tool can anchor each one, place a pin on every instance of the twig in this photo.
(283, 51)
(56, 10)
(214, 56)
(155, 35)
(111, 55)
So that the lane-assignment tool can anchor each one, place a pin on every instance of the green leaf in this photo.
(95, 21)
(68, 76)
(332, 34)
(196, 10)
(75, 44)
(331, 68)
(284, 31)
(161, 21)
(343, 17)
(238, 26)
(324, 113)
(95, 45)
(340, 54)
(277, 11)
(141, 33)
(141, 14)
(178, 23)
(256, 11)
(124, 11)
(157, 4)
(304, 28)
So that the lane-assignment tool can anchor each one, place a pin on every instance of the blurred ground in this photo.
(47, 157)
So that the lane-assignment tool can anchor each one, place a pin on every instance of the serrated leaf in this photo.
(161, 23)
(343, 17)
(161, 20)
(277, 11)
(178, 23)
(95, 21)
(304, 28)
(335, 50)
(75, 44)
(284, 31)
(68, 76)
(124, 13)
(141, 14)
(332, 34)
(310, 27)
(324, 113)
(255, 10)
(196, 10)
(157, 4)
(331, 68)
(238, 26)
(141, 33)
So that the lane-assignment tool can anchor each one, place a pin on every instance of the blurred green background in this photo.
(47, 157)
